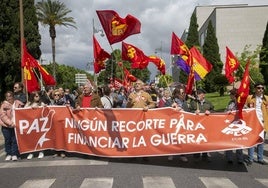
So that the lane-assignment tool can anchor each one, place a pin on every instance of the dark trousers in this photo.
(11, 146)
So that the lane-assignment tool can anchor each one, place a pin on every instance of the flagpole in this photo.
(248, 75)
(21, 38)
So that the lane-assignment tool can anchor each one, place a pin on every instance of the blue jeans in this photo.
(11, 145)
(260, 149)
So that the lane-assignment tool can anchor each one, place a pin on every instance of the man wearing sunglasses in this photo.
(259, 101)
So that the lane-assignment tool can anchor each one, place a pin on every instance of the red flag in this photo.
(135, 55)
(243, 91)
(47, 78)
(200, 65)
(28, 63)
(30, 80)
(117, 28)
(100, 56)
(159, 63)
(191, 77)
(231, 65)
(179, 48)
(129, 76)
(116, 83)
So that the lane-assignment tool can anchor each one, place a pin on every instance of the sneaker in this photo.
(8, 158)
(41, 155)
(55, 155)
(14, 158)
(262, 162)
(170, 158)
(62, 155)
(30, 156)
(183, 159)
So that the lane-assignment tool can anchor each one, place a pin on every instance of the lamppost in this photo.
(95, 30)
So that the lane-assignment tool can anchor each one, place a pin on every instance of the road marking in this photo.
(44, 183)
(106, 182)
(2, 152)
(211, 182)
(157, 182)
(263, 181)
(20, 164)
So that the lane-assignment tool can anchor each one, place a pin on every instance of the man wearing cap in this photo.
(259, 101)
(201, 105)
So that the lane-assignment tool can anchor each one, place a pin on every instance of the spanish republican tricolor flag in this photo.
(200, 65)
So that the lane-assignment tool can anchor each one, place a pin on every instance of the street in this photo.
(86, 171)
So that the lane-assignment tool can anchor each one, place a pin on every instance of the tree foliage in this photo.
(115, 69)
(51, 13)
(254, 71)
(193, 37)
(211, 53)
(10, 51)
(264, 55)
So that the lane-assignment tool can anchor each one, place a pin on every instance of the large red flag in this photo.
(243, 91)
(100, 56)
(117, 28)
(135, 55)
(28, 63)
(179, 48)
(231, 65)
(200, 65)
(32, 63)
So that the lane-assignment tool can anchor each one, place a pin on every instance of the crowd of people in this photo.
(141, 95)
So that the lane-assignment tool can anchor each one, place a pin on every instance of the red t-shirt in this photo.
(86, 101)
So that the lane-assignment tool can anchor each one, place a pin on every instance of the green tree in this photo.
(114, 69)
(254, 70)
(66, 75)
(211, 53)
(264, 55)
(53, 13)
(193, 37)
(10, 59)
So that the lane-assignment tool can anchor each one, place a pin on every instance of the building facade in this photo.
(236, 26)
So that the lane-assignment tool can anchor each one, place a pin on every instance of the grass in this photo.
(219, 102)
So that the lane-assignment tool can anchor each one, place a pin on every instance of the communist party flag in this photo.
(200, 65)
(100, 56)
(129, 76)
(159, 63)
(231, 65)
(179, 48)
(191, 78)
(117, 28)
(28, 65)
(47, 78)
(243, 91)
(135, 55)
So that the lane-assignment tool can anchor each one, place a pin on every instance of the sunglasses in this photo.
(260, 88)
(57, 95)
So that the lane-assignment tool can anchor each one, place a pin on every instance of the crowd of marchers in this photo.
(140, 95)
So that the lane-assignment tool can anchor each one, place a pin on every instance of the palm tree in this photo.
(53, 13)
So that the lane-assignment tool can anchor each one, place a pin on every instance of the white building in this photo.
(236, 26)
